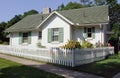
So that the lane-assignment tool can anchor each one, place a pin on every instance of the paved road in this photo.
(49, 68)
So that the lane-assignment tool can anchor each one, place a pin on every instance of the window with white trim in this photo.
(55, 34)
(89, 32)
(25, 38)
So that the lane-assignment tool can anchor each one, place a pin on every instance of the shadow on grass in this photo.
(107, 68)
(25, 72)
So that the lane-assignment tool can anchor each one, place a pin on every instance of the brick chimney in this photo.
(46, 10)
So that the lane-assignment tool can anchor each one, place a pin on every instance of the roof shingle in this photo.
(98, 14)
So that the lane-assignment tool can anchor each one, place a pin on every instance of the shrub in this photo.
(115, 56)
(71, 44)
(87, 44)
(5, 43)
(39, 45)
(0, 41)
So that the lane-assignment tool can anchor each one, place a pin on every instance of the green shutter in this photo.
(93, 32)
(85, 33)
(61, 34)
(29, 37)
(20, 37)
(49, 35)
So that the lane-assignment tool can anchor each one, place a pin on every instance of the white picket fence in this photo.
(67, 57)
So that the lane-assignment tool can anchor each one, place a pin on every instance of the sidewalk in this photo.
(49, 68)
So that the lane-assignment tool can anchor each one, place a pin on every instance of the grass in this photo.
(9, 69)
(107, 68)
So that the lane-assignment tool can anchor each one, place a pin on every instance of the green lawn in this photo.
(107, 68)
(10, 69)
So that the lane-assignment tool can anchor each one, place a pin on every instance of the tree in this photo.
(70, 5)
(61, 7)
(86, 3)
(31, 12)
(2, 27)
(15, 19)
(114, 12)
(100, 2)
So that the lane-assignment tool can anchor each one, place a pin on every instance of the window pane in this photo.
(89, 35)
(25, 34)
(89, 32)
(55, 34)
(89, 29)
(55, 31)
(25, 37)
(55, 38)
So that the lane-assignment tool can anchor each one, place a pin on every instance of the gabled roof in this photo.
(98, 14)
(28, 23)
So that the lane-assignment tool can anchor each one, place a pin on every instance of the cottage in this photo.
(56, 28)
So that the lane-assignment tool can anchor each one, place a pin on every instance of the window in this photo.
(89, 32)
(40, 35)
(25, 38)
(55, 34)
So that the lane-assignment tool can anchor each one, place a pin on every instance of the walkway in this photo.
(49, 68)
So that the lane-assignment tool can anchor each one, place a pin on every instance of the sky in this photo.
(10, 8)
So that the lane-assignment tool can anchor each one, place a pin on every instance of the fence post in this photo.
(73, 57)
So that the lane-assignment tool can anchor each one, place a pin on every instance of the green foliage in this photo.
(9, 69)
(106, 68)
(15, 19)
(39, 45)
(71, 44)
(100, 2)
(86, 3)
(70, 5)
(115, 56)
(87, 44)
(5, 43)
(116, 30)
(0, 41)
(31, 12)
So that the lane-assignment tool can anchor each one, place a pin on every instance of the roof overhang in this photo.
(23, 30)
(89, 24)
(55, 12)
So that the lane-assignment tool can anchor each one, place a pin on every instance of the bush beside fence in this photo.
(67, 57)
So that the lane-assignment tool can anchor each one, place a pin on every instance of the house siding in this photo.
(55, 22)
(14, 39)
(99, 34)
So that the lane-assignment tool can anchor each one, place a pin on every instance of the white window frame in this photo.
(25, 37)
(89, 32)
(55, 33)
